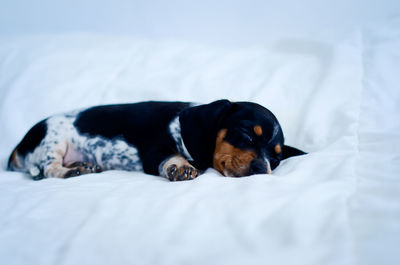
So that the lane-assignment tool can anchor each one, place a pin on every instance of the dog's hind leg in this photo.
(52, 163)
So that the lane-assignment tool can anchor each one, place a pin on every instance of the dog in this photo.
(176, 140)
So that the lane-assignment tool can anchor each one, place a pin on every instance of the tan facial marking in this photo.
(258, 130)
(278, 149)
(229, 160)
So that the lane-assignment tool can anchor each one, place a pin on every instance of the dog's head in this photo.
(237, 139)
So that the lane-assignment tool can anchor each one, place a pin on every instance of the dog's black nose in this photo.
(258, 167)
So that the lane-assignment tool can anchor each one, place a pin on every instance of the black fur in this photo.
(35, 136)
(289, 151)
(31, 140)
(143, 125)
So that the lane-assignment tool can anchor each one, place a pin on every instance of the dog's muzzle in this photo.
(258, 166)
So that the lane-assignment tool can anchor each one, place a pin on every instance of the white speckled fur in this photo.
(63, 144)
(175, 130)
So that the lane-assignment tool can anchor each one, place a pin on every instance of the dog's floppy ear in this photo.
(288, 151)
(199, 127)
(206, 115)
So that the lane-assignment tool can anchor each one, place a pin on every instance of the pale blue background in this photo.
(225, 22)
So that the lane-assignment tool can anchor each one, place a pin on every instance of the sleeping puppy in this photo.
(175, 140)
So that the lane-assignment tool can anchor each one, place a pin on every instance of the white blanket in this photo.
(340, 204)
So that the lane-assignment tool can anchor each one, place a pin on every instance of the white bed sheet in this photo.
(340, 204)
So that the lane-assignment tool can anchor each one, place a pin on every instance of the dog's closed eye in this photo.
(246, 134)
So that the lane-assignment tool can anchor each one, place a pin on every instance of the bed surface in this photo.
(339, 101)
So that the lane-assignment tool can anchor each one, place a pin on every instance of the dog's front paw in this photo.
(175, 173)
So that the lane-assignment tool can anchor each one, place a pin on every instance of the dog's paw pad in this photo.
(96, 169)
(83, 168)
(72, 173)
(175, 173)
